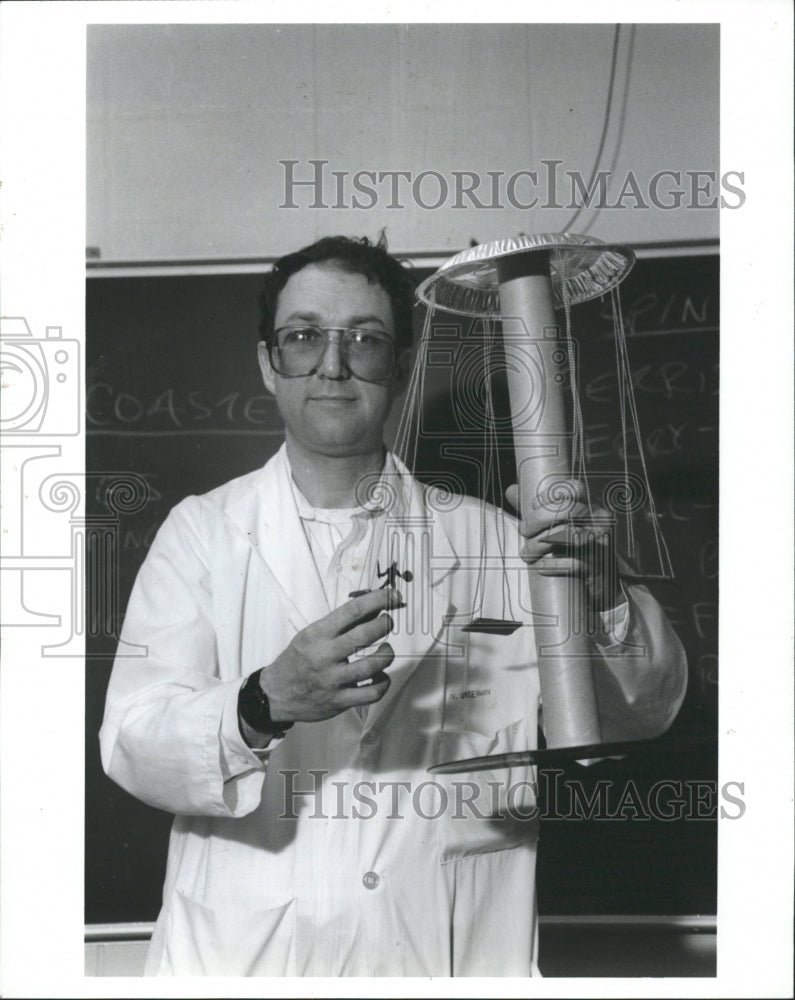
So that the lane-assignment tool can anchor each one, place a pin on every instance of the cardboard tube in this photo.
(535, 348)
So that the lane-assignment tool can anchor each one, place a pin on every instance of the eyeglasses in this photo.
(297, 351)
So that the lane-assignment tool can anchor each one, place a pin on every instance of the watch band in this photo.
(254, 709)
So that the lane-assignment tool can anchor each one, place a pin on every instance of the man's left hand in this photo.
(564, 536)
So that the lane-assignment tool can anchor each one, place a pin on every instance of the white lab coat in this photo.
(262, 880)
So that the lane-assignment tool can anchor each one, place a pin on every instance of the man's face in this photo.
(331, 412)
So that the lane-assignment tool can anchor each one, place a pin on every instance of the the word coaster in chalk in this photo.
(493, 626)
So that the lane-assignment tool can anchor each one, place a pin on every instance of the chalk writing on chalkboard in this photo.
(666, 381)
(119, 411)
(654, 313)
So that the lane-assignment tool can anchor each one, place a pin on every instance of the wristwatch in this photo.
(254, 709)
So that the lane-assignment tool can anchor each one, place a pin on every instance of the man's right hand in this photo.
(313, 678)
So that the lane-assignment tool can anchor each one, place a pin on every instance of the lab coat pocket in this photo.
(486, 810)
(226, 940)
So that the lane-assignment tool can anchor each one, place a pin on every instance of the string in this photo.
(498, 491)
(663, 555)
(493, 486)
(407, 445)
(623, 384)
(408, 432)
(578, 470)
(403, 432)
(480, 585)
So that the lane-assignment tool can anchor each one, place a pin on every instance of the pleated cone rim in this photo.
(581, 268)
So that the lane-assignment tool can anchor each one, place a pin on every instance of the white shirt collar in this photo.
(379, 492)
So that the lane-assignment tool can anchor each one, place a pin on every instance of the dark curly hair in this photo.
(355, 256)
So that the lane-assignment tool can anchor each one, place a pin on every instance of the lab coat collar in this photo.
(269, 518)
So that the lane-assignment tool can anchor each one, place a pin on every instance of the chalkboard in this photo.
(175, 406)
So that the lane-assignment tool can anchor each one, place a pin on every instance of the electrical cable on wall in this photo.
(608, 118)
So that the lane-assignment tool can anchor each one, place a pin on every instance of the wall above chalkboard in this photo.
(459, 130)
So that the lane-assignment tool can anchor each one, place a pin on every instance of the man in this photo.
(289, 726)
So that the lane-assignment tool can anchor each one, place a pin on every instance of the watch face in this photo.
(255, 711)
(252, 703)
